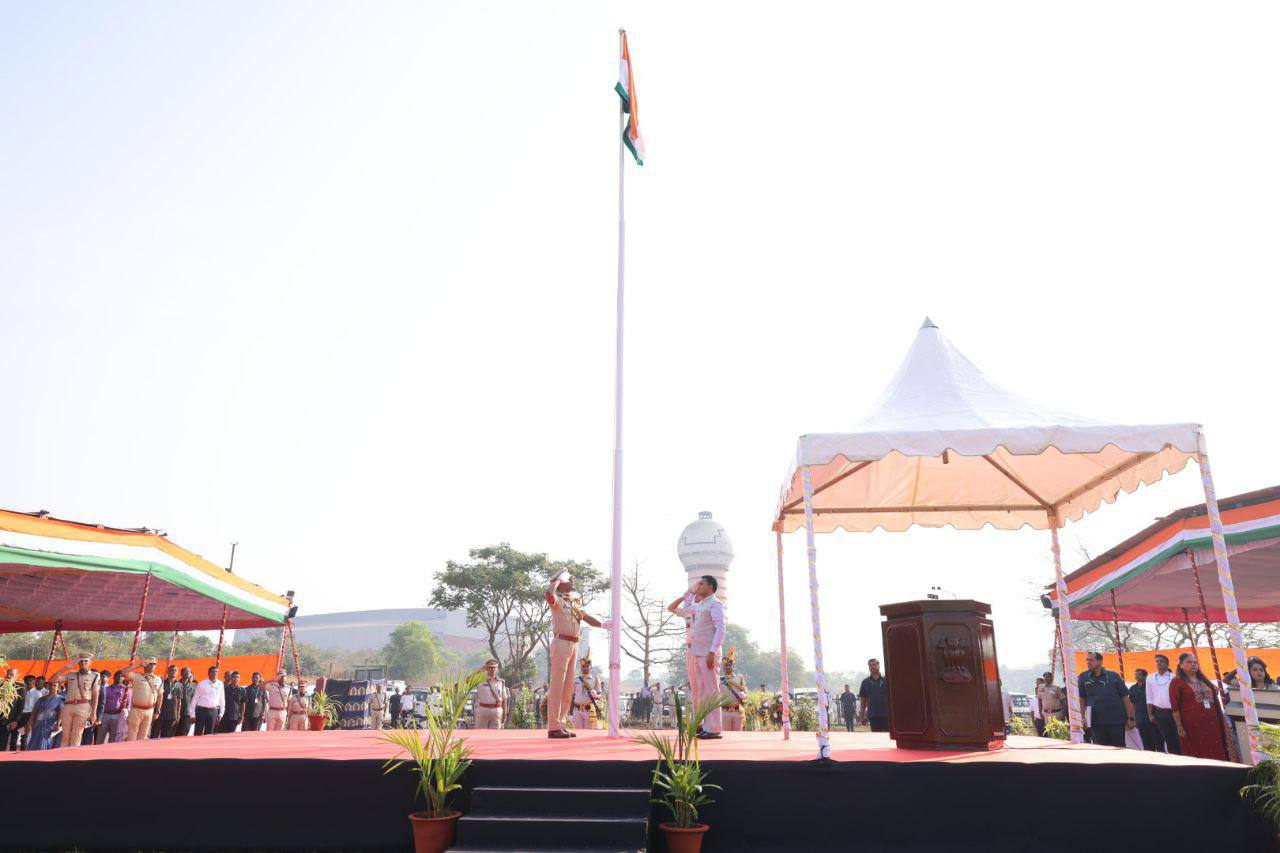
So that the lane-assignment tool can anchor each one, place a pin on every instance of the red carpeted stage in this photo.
(326, 790)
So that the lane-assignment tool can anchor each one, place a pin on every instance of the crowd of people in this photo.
(77, 705)
(1176, 710)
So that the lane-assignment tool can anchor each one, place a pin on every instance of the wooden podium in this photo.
(944, 689)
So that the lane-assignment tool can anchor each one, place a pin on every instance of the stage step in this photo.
(555, 819)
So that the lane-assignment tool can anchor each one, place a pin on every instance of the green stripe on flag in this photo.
(626, 99)
(626, 140)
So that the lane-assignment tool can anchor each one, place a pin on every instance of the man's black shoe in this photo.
(559, 734)
(708, 736)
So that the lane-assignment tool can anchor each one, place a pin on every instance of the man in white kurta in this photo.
(685, 607)
(705, 643)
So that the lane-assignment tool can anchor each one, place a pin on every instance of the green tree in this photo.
(501, 591)
(411, 652)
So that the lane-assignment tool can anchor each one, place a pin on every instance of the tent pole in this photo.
(819, 670)
(1191, 632)
(222, 632)
(1208, 628)
(1115, 618)
(1069, 680)
(782, 643)
(142, 612)
(173, 648)
(1229, 600)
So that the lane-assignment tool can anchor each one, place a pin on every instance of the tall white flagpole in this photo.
(615, 556)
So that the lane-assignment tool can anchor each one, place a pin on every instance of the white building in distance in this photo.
(704, 549)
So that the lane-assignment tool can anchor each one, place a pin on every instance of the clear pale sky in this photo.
(336, 281)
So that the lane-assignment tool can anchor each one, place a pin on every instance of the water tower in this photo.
(704, 549)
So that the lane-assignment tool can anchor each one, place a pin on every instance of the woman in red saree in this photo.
(1194, 702)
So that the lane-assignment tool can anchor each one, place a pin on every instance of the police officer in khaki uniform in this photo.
(277, 704)
(298, 708)
(566, 618)
(147, 688)
(586, 692)
(733, 689)
(378, 706)
(492, 700)
(81, 701)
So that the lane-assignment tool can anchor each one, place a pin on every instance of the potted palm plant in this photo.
(678, 778)
(440, 757)
(324, 709)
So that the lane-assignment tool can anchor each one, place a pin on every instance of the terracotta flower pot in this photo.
(684, 840)
(317, 722)
(433, 834)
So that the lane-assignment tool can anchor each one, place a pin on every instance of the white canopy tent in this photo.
(946, 446)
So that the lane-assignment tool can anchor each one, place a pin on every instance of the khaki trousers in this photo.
(732, 720)
(378, 718)
(275, 719)
(560, 682)
(72, 721)
(488, 718)
(299, 723)
(139, 723)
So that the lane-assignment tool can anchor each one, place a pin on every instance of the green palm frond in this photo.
(1262, 784)
(436, 753)
(678, 776)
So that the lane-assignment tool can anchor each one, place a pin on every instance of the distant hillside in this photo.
(369, 629)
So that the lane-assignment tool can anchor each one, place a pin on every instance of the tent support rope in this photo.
(1053, 654)
(297, 670)
(1229, 601)
(1064, 629)
(280, 654)
(142, 612)
(222, 633)
(819, 669)
(53, 647)
(782, 644)
(1208, 627)
(1115, 618)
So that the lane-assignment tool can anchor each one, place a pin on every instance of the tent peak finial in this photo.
(928, 324)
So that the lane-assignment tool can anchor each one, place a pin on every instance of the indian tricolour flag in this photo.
(626, 90)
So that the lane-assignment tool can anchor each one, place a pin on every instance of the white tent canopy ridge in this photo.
(944, 445)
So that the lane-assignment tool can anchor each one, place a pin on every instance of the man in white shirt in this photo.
(705, 641)
(1158, 707)
(1037, 716)
(210, 700)
(35, 691)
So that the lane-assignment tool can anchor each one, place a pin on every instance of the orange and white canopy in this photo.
(947, 446)
(86, 577)
(1151, 576)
